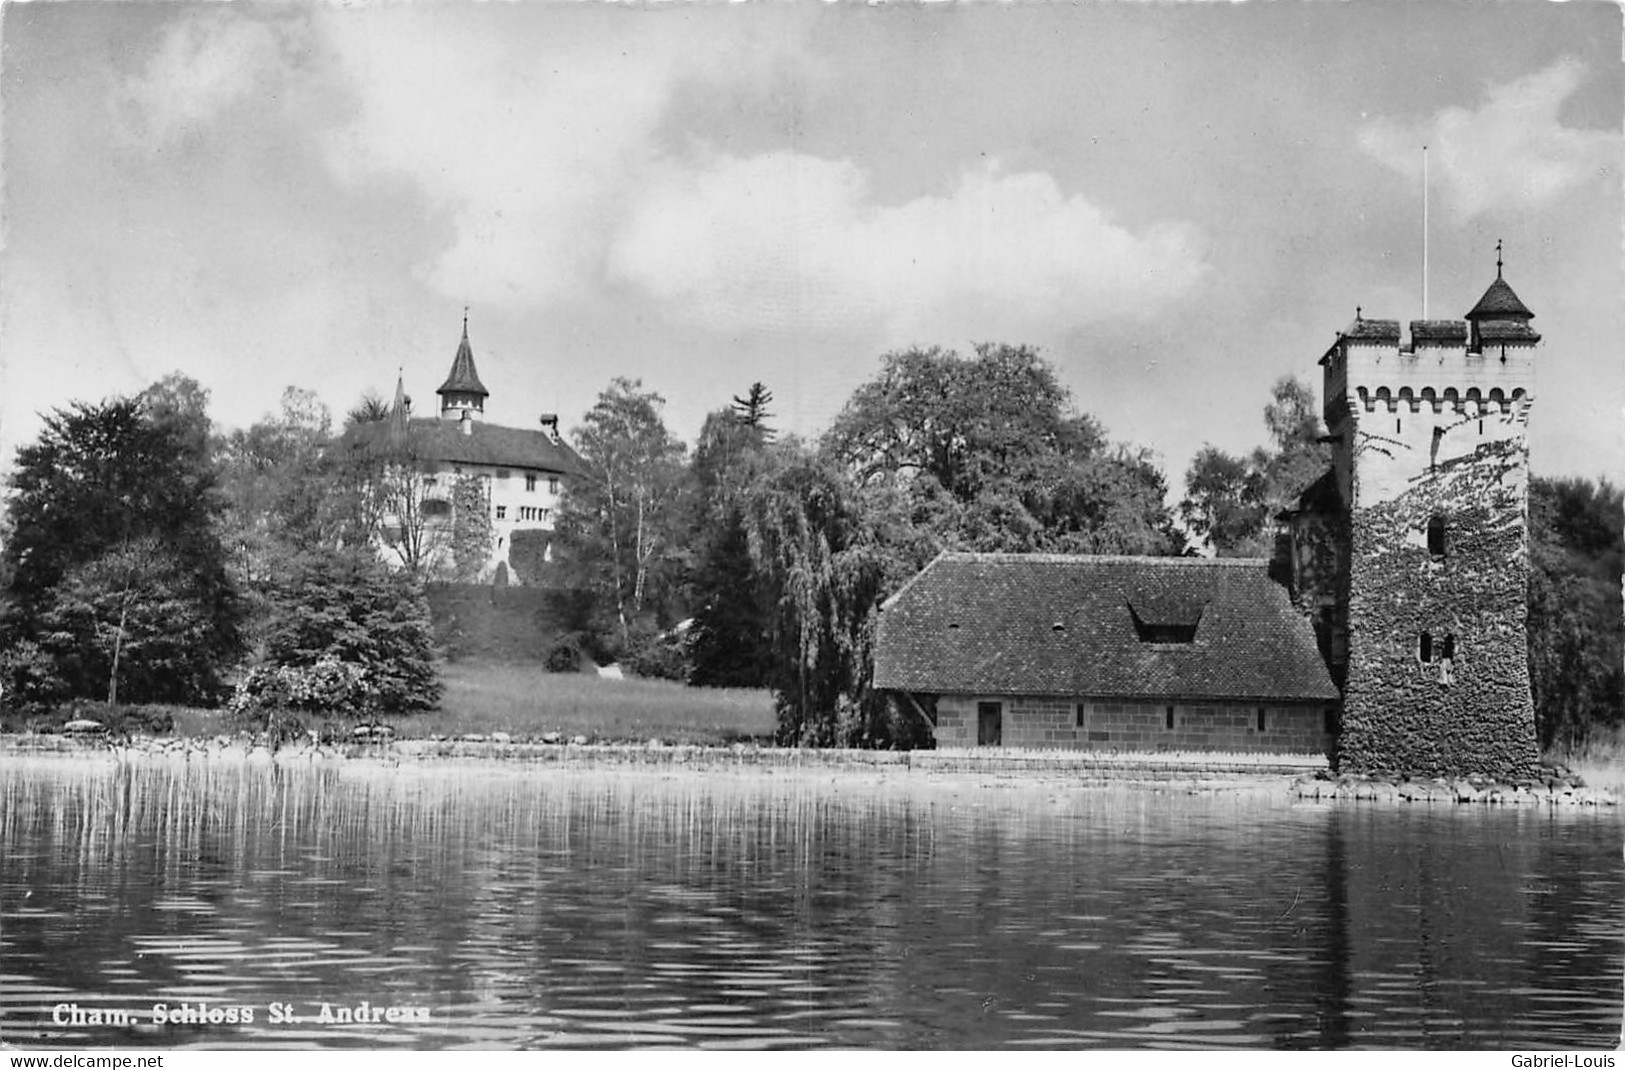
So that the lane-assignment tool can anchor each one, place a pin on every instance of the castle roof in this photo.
(1438, 332)
(1050, 624)
(1500, 303)
(1381, 332)
(464, 379)
(445, 442)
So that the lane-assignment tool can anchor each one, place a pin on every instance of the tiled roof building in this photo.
(1125, 652)
(517, 473)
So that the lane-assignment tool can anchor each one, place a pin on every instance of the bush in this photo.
(660, 657)
(329, 685)
(564, 656)
(29, 680)
(347, 634)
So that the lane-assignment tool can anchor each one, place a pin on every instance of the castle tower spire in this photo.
(462, 392)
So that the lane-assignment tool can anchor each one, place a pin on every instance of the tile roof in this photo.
(1499, 302)
(1507, 331)
(464, 378)
(1438, 332)
(443, 441)
(1377, 331)
(1043, 624)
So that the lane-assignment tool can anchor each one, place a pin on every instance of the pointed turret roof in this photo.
(400, 412)
(464, 379)
(1499, 302)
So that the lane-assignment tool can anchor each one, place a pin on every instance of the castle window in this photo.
(1447, 649)
(1168, 717)
(436, 507)
(502, 512)
(1083, 714)
(502, 473)
(552, 484)
(530, 480)
(1436, 536)
(1396, 425)
(1261, 718)
(1424, 647)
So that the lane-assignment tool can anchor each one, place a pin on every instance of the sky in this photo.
(1177, 203)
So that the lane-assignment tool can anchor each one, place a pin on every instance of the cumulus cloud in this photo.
(1513, 151)
(206, 63)
(789, 240)
(533, 140)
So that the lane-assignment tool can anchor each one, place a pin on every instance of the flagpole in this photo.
(1424, 232)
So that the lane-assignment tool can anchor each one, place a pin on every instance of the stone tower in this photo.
(1431, 476)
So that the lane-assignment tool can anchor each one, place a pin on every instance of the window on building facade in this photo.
(1424, 647)
(1168, 717)
(436, 507)
(1261, 718)
(552, 484)
(1083, 714)
(502, 473)
(1447, 649)
(502, 512)
(1436, 536)
(530, 480)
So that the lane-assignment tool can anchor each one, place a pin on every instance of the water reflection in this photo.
(535, 908)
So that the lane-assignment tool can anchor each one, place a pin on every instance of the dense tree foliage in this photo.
(347, 634)
(616, 529)
(1231, 502)
(114, 525)
(824, 573)
(1576, 630)
(729, 641)
(988, 454)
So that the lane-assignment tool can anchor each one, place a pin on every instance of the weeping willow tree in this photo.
(818, 556)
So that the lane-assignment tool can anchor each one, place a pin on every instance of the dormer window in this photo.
(1165, 620)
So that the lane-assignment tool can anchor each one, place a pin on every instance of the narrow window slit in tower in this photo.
(1436, 536)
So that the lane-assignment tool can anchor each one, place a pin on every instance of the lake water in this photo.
(526, 907)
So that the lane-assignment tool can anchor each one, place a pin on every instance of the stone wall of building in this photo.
(1100, 724)
(1475, 715)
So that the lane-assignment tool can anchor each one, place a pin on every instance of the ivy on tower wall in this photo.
(1424, 717)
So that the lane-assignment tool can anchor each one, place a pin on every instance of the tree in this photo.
(1576, 630)
(729, 642)
(130, 616)
(102, 483)
(616, 527)
(348, 635)
(751, 410)
(1230, 501)
(1224, 503)
(990, 455)
(825, 575)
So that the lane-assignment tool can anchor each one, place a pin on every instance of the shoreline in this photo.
(1301, 778)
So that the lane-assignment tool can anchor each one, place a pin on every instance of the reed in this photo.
(1600, 760)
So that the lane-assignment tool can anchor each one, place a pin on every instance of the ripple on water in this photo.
(765, 912)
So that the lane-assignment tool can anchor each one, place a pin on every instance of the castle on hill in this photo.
(454, 476)
(1390, 633)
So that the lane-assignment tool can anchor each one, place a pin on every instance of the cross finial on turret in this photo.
(1358, 313)
(465, 321)
(1497, 257)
